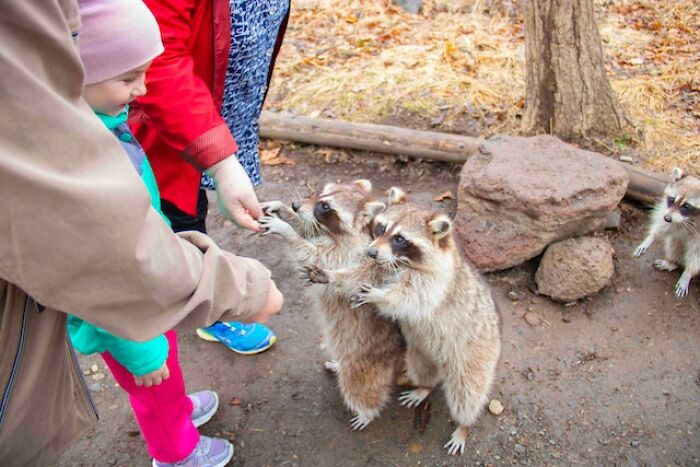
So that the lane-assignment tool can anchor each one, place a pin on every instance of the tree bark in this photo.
(568, 93)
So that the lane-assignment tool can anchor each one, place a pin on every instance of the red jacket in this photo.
(178, 122)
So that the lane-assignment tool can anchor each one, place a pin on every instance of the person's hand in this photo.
(275, 300)
(234, 193)
(154, 378)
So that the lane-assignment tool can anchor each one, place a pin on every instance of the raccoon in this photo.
(674, 220)
(415, 274)
(366, 349)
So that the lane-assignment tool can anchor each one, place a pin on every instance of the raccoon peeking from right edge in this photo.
(674, 220)
(414, 273)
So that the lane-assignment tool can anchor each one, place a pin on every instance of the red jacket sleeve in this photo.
(178, 103)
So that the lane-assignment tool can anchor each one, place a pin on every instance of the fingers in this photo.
(244, 219)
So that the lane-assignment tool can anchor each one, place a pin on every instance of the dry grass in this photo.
(367, 61)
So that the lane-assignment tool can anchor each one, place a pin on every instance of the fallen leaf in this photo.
(443, 196)
(269, 153)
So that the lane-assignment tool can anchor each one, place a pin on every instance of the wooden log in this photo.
(644, 186)
(368, 137)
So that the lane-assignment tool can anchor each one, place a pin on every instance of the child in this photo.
(118, 40)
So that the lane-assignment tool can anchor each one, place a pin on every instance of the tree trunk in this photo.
(568, 93)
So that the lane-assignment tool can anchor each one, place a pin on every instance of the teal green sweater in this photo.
(137, 357)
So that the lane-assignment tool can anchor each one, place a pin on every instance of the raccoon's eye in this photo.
(325, 207)
(400, 241)
(670, 200)
(379, 230)
(687, 208)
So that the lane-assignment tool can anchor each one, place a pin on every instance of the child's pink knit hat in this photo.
(116, 36)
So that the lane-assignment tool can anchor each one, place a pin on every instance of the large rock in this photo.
(518, 195)
(575, 268)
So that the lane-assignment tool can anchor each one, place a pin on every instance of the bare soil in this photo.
(611, 380)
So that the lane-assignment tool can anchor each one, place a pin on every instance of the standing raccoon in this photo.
(417, 276)
(674, 220)
(367, 349)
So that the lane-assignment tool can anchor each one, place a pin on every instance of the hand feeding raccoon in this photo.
(367, 349)
(673, 220)
(449, 319)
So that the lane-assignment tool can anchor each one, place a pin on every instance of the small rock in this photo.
(634, 443)
(86, 372)
(613, 220)
(529, 374)
(533, 319)
(133, 433)
(96, 387)
(513, 296)
(235, 402)
(495, 407)
(519, 449)
(94, 368)
(628, 159)
(411, 6)
(97, 376)
(575, 268)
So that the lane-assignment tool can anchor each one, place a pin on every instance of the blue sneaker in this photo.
(246, 339)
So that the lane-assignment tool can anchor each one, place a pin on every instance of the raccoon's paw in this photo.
(272, 207)
(366, 294)
(414, 397)
(682, 286)
(664, 265)
(314, 274)
(275, 225)
(360, 421)
(642, 248)
(457, 441)
(332, 365)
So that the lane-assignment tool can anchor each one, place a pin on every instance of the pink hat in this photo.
(116, 36)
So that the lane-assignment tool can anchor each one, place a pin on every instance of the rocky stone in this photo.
(533, 318)
(495, 407)
(575, 268)
(518, 195)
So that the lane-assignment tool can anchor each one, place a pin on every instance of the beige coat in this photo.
(78, 234)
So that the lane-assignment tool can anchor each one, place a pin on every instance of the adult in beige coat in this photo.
(78, 235)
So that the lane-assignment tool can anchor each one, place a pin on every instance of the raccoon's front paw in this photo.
(682, 285)
(272, 207)
(275, 225)
(314, 274)
(366, 294)
(642, 248)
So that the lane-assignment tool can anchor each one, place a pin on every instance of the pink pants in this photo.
(163, 412)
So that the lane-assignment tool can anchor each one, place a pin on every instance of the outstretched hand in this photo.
(235, 194)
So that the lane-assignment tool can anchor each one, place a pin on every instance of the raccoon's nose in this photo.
(296, 205)
(372, 252)
(667, 218)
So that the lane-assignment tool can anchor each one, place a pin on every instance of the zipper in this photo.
(15, 364)
(79, 372)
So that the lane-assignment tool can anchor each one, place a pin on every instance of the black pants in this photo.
(182, 221)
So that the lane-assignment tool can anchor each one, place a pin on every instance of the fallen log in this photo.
(644, 186)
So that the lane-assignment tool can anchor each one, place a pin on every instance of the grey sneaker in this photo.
(206, 403)
(209, 452)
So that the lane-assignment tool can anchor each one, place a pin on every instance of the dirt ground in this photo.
(613, 380)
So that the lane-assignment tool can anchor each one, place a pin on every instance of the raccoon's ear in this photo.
(371, 209)
(328, 187)
(440, 225)
(396, 196)
(364, 185)
(677, 173)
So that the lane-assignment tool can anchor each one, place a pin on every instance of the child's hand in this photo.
(154, 378)
(275, 300)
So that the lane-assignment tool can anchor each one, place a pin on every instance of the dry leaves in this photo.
(273, 156)
(443, 196)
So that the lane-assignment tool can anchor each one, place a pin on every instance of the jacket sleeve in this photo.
(77, 230)
(178, 103)
(138, 358)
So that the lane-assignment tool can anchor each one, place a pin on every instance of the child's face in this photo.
(111, 96)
